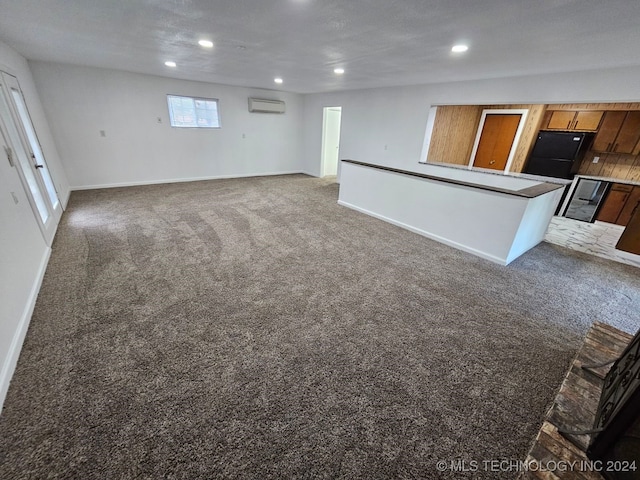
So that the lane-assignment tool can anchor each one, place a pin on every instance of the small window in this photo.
(193, 112)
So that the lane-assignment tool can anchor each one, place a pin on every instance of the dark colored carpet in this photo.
(253, 328)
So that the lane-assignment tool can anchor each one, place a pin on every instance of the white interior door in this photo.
(25, 155)
(331, 140)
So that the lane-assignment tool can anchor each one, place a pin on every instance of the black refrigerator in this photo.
(558, 154)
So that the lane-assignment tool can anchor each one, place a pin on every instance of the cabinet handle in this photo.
(569, 125)
(615, 147)
(608, 146)
(575, 127)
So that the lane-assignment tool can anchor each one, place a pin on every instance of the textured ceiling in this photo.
(378, 42)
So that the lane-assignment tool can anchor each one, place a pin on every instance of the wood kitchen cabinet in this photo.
(632, 202)
(608, 131)
(618, 133)
(571, 120)
(630, 238)
(619, 204)
(629, 134)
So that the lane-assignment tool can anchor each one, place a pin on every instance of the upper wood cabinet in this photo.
(571, 120)
(619, 133)
(629, 134)
(608, 132)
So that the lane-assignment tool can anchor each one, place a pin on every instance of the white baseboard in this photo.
(11, 360)
(424, 233)
(181, 180)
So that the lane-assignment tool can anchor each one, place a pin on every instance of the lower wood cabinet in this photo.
(630, 239)
(619, 204)
(630, 205)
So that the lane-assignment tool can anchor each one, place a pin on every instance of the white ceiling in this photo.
(378, 42)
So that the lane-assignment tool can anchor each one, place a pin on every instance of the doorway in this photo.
(331, 119)
(497, 139)
(23, 152)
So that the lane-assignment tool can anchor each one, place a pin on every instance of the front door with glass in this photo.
(24, 153)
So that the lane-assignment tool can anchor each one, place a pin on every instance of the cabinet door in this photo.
(630, 239)
(608, 131)
(629, 134)
(614, 203)
(587, 121)
(561, 120)
(629, 206)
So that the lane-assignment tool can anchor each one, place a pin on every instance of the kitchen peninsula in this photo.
(496, 217)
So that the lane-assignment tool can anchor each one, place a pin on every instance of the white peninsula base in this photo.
(495, 217)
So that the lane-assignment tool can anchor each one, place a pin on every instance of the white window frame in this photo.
(172, 120)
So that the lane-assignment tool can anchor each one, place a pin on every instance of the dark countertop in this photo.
(529, 192)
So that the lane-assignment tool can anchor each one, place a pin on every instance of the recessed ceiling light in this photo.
(205, 43)
(277, 80)
(170, 64)
(459, 48)
(339, 71)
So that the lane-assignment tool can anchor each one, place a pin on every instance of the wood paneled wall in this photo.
(454, 132)
(456, 126)
(616, 165)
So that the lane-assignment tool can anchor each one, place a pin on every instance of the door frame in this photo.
(324, 137)
(8, 83)
(523, 112)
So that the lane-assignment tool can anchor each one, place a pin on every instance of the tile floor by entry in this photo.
(597, 238)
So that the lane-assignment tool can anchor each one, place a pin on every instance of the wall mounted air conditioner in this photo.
(266, 106)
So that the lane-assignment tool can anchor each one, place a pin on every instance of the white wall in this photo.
(23, 251)
(386, 126)
(82, 101)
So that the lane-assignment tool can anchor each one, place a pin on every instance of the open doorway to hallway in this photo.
(330, 140)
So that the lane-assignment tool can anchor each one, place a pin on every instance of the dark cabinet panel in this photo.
(618, 133)
(608, 131)
(630, 239)
(629, 134)
(632, 202)
(614, 203)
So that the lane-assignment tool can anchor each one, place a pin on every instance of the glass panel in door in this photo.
(16, 146)
(35, 146)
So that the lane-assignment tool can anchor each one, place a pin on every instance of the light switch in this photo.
(103, 133)
(596, 159)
